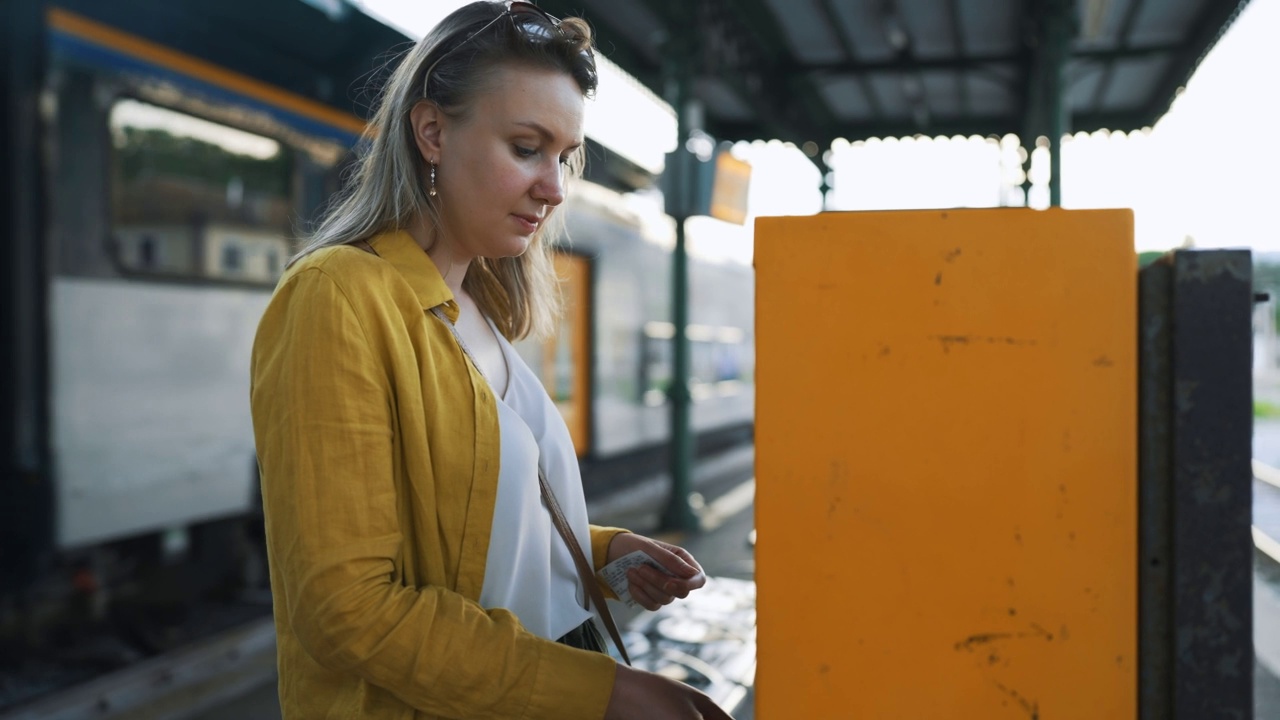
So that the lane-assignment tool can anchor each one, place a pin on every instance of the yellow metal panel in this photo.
(946, 444)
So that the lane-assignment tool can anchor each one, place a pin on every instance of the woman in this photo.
(414, 568)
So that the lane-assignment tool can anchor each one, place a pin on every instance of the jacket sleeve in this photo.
(323, 405)
(600, 539)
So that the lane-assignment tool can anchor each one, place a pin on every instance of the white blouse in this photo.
(529, 569)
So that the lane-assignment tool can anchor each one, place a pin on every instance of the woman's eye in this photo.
(524, 152)
(564, 159)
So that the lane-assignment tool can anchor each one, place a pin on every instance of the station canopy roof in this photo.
(817, 70)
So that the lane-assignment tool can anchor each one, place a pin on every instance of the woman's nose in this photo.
(549, 189)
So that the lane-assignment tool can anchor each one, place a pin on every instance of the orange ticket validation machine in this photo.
(946, 443)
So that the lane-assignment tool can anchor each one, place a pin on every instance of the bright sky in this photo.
(1207, 170)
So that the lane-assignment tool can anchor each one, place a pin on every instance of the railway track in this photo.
(171, 686)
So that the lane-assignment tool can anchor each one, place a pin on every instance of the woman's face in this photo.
(502, 165)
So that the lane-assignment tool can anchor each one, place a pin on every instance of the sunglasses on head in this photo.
(536, 25)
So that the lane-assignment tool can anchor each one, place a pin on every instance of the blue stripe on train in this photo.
(69, 47)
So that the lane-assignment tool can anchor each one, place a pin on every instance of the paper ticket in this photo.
(615, 573)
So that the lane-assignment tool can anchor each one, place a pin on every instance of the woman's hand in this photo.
(640, 695)
(649, 586)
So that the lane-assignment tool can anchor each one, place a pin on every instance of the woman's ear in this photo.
(427, 122)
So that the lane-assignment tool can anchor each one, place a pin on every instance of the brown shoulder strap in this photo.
(562, 526)
(584, 568)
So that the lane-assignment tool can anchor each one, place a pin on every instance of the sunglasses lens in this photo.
(533, 22)
(534, 27)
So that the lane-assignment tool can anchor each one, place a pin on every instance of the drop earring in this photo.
(432, 190)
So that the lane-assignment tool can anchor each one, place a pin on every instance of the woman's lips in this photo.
(529, 223)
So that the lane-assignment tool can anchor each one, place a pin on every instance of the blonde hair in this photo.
(386, 190)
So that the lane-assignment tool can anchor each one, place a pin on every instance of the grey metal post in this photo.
(1195, 486)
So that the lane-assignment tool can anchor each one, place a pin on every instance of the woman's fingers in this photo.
(648, 590)
(680, 585)
(675, 559)
(709, 710)
(641, 595)
(685, 556)
(664, 587)
(640, 695)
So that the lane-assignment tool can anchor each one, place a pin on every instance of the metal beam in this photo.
(984, 125)
(975, 62)
(889, 127)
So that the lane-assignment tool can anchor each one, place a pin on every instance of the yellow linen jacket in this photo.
(378, 448)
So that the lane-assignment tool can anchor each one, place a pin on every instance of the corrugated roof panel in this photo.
(1082, 85)
(1129, 81)
(846, 98)
(942, 92)
(808, 33)
(722, 102)
(1100, 23)
(991, 27)
(989, 95)
(865, 28)
(629, 19)
(888, 88)
(929, 26)
(1165, 22)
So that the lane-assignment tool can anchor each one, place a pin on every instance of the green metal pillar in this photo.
(1047, 112)
(824, 178)
(1059, 30)
(679, 514)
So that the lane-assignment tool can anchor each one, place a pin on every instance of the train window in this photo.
(230, 259)
(147, 252)
(658, 366)
(194, 198)
(717, 362)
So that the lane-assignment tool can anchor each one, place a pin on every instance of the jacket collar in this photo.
(408, 258)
